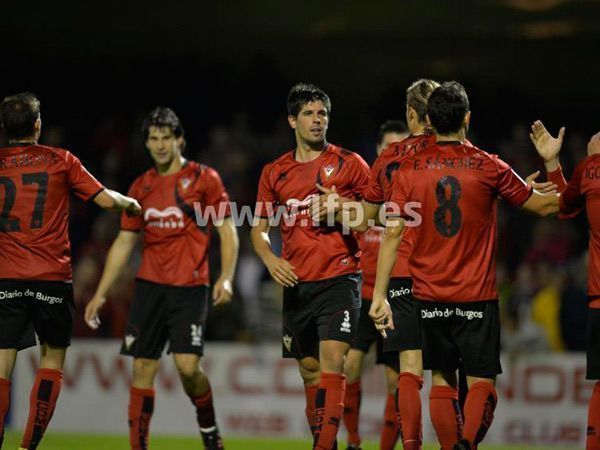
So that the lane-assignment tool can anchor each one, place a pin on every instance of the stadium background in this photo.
(226, 67)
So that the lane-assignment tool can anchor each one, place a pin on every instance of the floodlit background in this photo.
(226, 68)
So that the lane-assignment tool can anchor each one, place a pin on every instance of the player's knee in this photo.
(188, 368)
(412, 361)
(144, 368)
(310, 370)
(352, 370)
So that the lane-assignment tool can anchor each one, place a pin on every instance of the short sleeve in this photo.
(572, 200)
(398, 194)
(374, 191)
(81, 182)
(360, 175)
(266, 200)
(215, 195)
(510, 186)
(133, 223)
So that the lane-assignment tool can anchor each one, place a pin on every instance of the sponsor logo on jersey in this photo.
(287, 342)
(169, 218)
(346, 323)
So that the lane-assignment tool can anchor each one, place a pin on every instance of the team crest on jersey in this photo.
(287, 342)
(328, 170)
(185, 182)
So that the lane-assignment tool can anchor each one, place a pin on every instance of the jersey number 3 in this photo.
(447, 216)
(10, 194)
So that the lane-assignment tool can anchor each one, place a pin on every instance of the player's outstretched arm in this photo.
(113, 201)
(281, 270)
(228, 235)
(547, 146)
(117, 258)
(380, 309)
(542, 204)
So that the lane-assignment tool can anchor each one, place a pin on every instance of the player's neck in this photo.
(172, 167)
(451, 137)
(306, 151)
(24, 141)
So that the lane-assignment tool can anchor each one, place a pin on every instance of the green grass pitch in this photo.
(56, 441)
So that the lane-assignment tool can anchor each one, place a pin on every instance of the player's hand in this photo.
(325, 204)
(91, 312)
(543, 188)
(593, 147)
(547, 146)
(281, 271)
(134, 208)
(222, 291)
(381, 313)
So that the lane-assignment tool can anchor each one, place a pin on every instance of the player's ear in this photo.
(37, 126)
(428, 120)
(467, 120)
(181, 143)
(292, 121)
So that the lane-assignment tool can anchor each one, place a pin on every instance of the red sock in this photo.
(329, 409)
(311, 393)
(205, 411)
(352, 411)
(4, 404)
(479, 411)
(409, 410)
(390, 432)
(42, 402)
(593, 428)
(141, 407)
(445, 415)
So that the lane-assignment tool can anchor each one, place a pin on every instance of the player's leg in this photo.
(300, 341)
(353, 370)
(444, 408)
(365, 337)
(197, 386)
(51, 308)
(337, 310)
(144, 340)
(8, 357)
(187, 311)
(593, 373)
(407, 340)
(391, 429)
(441, 355)
(478, 323)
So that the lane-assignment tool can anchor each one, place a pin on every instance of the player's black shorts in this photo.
(406, 334)
(315, 311)
(462, 331)
(46, 307)
(593, 344)
(162, 313)
(367, 335)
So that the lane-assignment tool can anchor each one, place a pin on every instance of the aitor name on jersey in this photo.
(28, 160)
(467, 163)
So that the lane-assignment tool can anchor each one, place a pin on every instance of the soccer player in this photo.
(391, 131)
(35, 254)
(172, 287)
(453, 262)
(582, 192)
(319, 267)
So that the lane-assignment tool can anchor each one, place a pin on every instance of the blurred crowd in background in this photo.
(542, 263)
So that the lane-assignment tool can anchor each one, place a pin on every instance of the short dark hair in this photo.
(447, 107)
(162, 117)
(391, 126)
(300, 94)
(18, 114)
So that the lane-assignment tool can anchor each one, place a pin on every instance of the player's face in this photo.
(311, 122)
(164, 147)
(388, 139)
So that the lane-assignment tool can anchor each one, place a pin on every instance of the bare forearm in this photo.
(116, 260)
(112, 200)
(262, 244)
(386, 260)
(229, 250)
